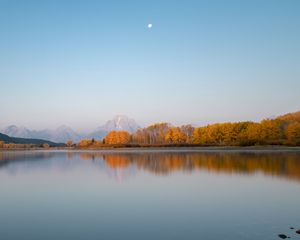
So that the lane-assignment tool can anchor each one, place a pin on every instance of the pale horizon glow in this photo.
(81, 63)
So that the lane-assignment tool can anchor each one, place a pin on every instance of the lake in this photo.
(149, 194)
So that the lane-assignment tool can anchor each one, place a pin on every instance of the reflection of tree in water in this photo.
(275, 164)
(13, 156)
(285, 164)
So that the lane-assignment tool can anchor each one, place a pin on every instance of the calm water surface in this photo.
(149, 195)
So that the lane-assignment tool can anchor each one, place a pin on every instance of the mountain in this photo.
(15, 131)
(5, 138)
(121, 123)
(64, 133)
(118, 123)
(60, 134)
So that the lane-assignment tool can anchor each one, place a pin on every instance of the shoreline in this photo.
(165, 149)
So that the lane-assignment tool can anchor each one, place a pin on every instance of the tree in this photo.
(196, 137)
(188, 131)
(236, 133)
(175, 135)
(69, 143)
(153, 134)
(210, 134)
(253, 133)
(97, 143)
(270, 131)
(84, 143)
(46, 145)
(117, 137)
(203, 135)
(292, 132)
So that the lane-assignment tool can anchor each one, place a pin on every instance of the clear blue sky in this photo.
(80, 63)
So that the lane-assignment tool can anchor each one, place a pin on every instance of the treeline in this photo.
(4, 145)
(8, 142)
(284, 130)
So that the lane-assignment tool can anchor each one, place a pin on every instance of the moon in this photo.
(150, 25)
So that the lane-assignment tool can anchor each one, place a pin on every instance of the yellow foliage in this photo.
(69, 143)
(275, 164)
(46, 145)
(85, 143)
(270, 130)
(175, 135)
(292, 132)
(117, 137)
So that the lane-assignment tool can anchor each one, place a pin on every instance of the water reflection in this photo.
(275, 164)
(7, 157)
(285, 165)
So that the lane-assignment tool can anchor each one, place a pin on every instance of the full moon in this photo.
(150, 25)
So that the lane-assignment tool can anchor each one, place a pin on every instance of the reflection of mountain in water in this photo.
(122, 165)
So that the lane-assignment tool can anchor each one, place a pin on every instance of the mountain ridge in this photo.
(64, 133)
(118, 123)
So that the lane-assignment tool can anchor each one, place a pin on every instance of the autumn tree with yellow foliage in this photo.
(153, 134)
(175, 135)
(270, 131)
(69, 143)
(84, 143)
(117, 137)
(239, 133)
(292, 132)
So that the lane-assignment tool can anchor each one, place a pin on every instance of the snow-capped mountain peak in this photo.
(118, 123)
(64, 133)
(15, 131)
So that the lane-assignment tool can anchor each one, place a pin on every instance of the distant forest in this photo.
(13, 142)
(283, 130)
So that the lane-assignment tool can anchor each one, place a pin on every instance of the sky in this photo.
(80, 63)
